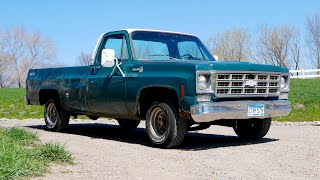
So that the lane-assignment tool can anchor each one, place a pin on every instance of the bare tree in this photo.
(295, 49)
(2, 66)
(26, 51)
(3, 71)
(13, 46)
(313, 38)
(274, 45)
(231, 45)
(84, 59)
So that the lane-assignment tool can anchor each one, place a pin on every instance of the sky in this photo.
(75, 26)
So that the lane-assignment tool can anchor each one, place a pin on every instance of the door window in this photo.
(118, 44)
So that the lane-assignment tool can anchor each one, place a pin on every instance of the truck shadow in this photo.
(194, 141)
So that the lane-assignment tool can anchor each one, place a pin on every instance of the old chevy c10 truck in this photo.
(168, 79)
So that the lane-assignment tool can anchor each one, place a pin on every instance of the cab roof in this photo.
(134, 30)
(154, 30)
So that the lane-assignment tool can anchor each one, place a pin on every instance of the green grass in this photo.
(305, 100)
(304, 95)
(12, 105)
(22, 155)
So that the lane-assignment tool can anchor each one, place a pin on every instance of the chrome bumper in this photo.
(211, 111)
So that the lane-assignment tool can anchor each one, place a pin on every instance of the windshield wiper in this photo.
(162, 55)
(189, 58)
(159, 55)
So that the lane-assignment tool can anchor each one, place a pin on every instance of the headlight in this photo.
(202, 82)
(205, 81)
(284, 86)
(284, 83)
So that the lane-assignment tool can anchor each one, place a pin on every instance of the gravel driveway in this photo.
(103, 151)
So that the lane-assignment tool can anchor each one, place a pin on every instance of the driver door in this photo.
(105, 91)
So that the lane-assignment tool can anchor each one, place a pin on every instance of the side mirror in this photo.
(216, 57)
(107, 57)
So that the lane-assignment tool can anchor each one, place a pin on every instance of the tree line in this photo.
(20, 51)
(280, 45)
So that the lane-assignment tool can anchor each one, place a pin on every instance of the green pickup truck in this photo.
(168, 79)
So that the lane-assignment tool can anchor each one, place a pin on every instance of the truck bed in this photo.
(60, 79)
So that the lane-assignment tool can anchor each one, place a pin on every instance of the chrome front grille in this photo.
(230, 84)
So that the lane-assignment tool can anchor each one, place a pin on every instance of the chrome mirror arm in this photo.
(117, 65)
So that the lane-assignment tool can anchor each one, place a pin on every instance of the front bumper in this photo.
(211, 111)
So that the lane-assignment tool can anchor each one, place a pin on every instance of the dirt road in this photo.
(103, 151)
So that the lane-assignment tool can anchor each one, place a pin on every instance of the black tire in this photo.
(128, 124)
(55, 117)
(252, 129)
(93, 117)
(165, 127)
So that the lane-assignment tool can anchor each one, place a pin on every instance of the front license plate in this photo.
(256, 110)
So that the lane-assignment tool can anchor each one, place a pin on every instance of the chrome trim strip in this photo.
(251, 72)
(155, 30)
(95, 52)
(207, 112)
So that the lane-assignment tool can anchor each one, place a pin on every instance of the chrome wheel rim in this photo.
(52, 115)
(159, 124)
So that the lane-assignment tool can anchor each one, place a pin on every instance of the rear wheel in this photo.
(128, 124)
(252, 129)
(55, 117)
(165, 127)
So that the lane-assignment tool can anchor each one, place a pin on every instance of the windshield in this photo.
(168, 46)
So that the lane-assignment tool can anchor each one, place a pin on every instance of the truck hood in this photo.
(221, 65)
(238, 66)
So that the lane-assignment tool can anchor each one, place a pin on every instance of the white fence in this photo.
(305, 73)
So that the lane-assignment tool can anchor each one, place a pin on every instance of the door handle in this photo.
(95, 67)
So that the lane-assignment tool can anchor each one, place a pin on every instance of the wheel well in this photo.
(153, 94)
(46, 94)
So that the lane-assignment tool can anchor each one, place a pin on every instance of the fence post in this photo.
(302, 74)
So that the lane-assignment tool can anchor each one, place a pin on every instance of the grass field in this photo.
(305, 100)
(12, 105)
(304, 95)
(22, 155)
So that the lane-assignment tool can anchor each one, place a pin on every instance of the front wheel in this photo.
(165, 127)
(55, 117)
(252, 129)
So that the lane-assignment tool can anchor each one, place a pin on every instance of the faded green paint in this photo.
(88, 90)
